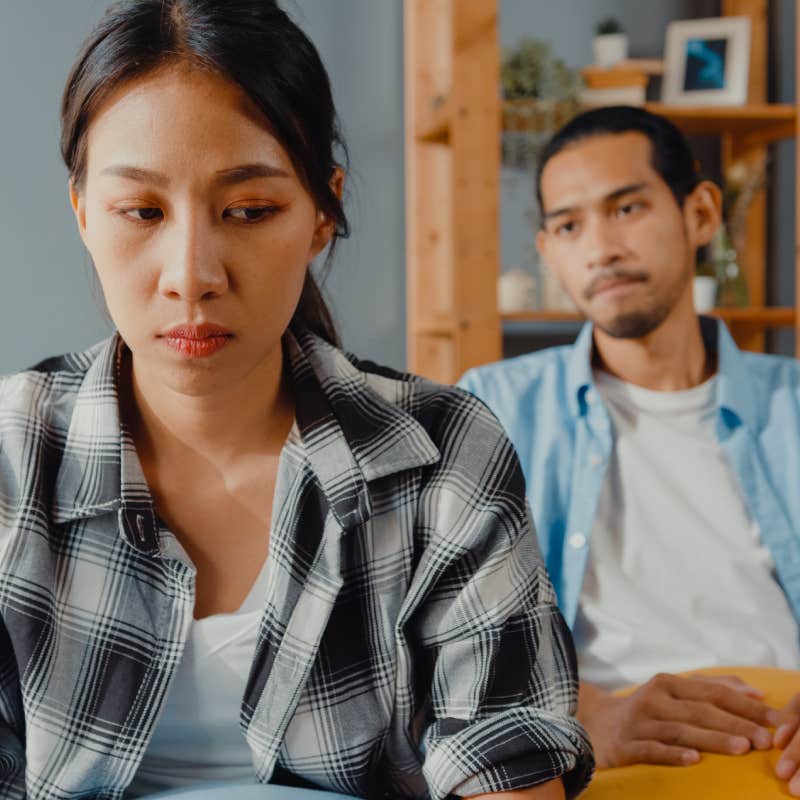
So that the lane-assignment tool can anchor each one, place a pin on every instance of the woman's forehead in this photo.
(181, 115)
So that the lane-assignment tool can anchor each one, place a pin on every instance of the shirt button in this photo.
(577, 540)
(590, 397)
(595, 459)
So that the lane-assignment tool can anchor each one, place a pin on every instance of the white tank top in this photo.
(678, 577)
(197, 738)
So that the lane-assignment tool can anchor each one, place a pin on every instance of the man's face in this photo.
(614, 234)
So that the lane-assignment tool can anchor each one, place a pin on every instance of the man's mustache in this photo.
(615, 274)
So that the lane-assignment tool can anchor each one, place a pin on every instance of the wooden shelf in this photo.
(755, 124)
(768, 317)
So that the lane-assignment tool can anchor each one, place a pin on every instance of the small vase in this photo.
(732, 285)
(610, 48)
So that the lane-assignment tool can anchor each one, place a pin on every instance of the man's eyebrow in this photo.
(226, 177)
(615, 195)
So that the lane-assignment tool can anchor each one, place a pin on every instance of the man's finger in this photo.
(725, 698)
(640, 751)
(788, 766)
(689, 737)
(732, 682)
(712, 718)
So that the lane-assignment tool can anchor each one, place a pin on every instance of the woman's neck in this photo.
(250, 417)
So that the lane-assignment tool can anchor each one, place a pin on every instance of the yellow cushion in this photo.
(714, 777)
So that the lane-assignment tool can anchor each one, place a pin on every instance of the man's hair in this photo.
(671, 157)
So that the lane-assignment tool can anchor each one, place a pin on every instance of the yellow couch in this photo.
(715, 777)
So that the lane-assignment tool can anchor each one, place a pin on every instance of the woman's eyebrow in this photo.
(247, 172)
(226, 177)
(136, 174)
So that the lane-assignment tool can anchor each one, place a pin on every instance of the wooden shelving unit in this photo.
(454, 117)
(758, 124)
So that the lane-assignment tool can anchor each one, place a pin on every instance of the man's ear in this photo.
(326, 227)
(702, 210)
(76, 200)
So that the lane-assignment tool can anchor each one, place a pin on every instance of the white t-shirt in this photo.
(677, 578)
(197, 738)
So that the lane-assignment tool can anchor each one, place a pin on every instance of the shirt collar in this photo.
(352, 434)
(579, 370)
(733, 391)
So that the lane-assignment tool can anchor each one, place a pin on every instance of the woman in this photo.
(229, 551)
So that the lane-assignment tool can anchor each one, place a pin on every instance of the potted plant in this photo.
(610, 43)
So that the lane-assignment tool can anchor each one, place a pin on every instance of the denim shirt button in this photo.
(577, 540)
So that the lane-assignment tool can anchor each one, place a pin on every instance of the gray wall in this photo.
(46, 301)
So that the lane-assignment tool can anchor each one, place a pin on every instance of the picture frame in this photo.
(707, 62)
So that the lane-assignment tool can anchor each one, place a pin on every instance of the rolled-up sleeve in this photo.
(489, 636)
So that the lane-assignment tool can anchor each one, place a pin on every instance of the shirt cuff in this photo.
(516, 749)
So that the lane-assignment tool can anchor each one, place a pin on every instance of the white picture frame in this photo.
(707, 62)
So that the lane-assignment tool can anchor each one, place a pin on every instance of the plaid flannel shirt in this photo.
(410, 643)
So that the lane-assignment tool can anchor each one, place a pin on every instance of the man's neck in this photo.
(670, 358)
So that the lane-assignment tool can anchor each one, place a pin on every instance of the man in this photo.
(662, 463)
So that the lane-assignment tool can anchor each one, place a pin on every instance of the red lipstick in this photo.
(197, 341)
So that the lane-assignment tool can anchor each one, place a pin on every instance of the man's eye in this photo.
(250, 213)
(566, 228)
(142, 214)
(628, 208)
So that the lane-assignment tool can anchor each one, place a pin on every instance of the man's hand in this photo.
(672, 719)
(787, 737)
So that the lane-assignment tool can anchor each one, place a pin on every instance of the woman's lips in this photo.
(197, 341)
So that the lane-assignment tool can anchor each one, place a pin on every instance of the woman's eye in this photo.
(142, 214)
(250, 213)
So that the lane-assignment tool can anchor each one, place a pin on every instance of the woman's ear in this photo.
(702, 211)
(326, 227)
(76, 200)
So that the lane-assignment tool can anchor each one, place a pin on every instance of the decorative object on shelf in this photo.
(704, 288)
(731, 284)
(516, 291)
(623, 84)
(541, 93)
(743, 180)
(610, 44)
(554, 295)
(707, 61)
(704, 291)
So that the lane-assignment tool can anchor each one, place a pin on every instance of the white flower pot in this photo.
(704, 290)
(610, 48)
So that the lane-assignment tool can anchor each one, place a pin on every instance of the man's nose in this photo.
(602, 243)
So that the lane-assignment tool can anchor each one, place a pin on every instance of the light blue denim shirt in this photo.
(556, 419)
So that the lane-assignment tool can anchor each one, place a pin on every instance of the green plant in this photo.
(530, 70)
(607, 26)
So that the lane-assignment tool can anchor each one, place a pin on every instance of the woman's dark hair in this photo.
(671, 157)
(253, 44)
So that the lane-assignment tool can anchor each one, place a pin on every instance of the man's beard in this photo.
(632, 324)
(635, 324)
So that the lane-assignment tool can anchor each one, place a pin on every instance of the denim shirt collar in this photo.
(734, 395)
